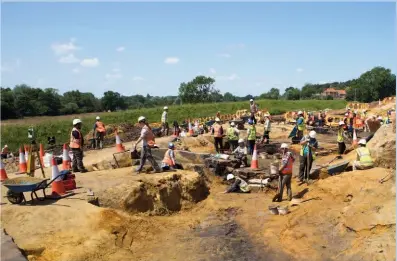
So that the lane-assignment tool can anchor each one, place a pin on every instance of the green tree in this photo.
(113, 101)
(8, 110)
(200, 89)
(292, 93)
(228, 97)
(50, 102)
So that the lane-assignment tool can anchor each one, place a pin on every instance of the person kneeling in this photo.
(239, 185)
(169, 159)
(364, 160)
(240, 153)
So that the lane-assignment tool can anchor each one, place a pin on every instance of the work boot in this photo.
(75, 170)
(83, 171)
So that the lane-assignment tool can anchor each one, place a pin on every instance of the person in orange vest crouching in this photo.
(100, 131)
(147, 138)
(285, 173)
(76, 144)
(169, 161)
(217, 131)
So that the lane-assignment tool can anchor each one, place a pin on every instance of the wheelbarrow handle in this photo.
(55, 179)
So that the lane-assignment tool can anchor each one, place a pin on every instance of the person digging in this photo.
(240, 153)
(239, 185)
(285, 173)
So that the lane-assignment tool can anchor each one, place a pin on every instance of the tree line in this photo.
(26, 101)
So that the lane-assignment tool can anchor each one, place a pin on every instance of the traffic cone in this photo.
(119, 145)
(354, 138)
(58, 188)
(42, 154)
(254, 160)
(3, 173)
(65, 158)
(22, 161)
(26, 152)
(190, 129)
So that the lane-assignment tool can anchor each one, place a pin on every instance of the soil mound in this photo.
(383, 147)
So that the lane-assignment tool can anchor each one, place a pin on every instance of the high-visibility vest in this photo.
(243, 185)
(252, 132)
(340, 135)
(231, 134)
(302, 126)
(100, 127)
(365, 156)
(287, 170)
(217, 131)
(167, 158)
(303, 148)
(75, 143)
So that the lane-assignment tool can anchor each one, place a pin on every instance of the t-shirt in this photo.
(285, 158)
(240, 150)
(164, 117)
(312, 142)
(144, 133)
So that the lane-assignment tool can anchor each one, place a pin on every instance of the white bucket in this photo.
(47, 159)
(273, 169)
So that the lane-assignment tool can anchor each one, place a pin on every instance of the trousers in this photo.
(233, 144)
(146, 154)
(77, 162)
(266, 136)
(218, 144)
(305, 164)
(251, 146)
(285, 181)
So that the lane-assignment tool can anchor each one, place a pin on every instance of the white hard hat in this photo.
(362, 142)
(341, 123)
(217, 119)
(348, 108)
(229, 176)
(346, 114)
(251, 100)
(241, 141)
(232, 124)
(98, 118)
(142, 118)
(284, 146)
(312, 134)
(300, 112)
(76, 121)
(6, 146)
(380, 118)
(165, 108)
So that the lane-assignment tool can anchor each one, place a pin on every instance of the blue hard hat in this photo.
(250, 121)
(171, 145)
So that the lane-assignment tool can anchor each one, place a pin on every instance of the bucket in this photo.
(273, 168)
(273, 210)
(47, 159)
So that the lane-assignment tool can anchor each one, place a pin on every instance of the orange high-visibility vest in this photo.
(167, 159)
(75, 143)
(100, 127)
(288, 169)
(217, 131)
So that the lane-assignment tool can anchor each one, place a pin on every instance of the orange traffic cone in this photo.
(3, 173)
(26, 152)
(22, 161)
(190, 129)
(119, 145)
(354, 138)
(42, 154)
(254, 160)
(58, 188)
(65, 158)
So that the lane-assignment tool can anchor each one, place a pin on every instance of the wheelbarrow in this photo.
(17, 186)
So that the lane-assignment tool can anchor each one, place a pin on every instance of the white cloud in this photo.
(231, 77)
(115, 70)
(137, 78)
(120, 49)
(224, 55)
(76, 70)
(171, 60)
(7, 68)
(70, 58)
(299, 70)
(64, 48)
(113, 76)
(212, 71)
(90, 62)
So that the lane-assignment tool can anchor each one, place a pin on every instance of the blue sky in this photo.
(140, 48)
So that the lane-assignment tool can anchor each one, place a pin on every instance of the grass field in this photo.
(14, 132)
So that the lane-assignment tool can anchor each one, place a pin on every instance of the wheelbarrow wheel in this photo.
(14, 198)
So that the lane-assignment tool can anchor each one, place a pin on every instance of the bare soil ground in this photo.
(345, 217)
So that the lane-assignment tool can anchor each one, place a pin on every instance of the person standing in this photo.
(253, 110)
(300, 124)
(251, 136)
(147, 138)
(309, 145)
(285, 172)
(232, 135)
(100, 131)
(364, 160)
(267, 128)
(217, 131)
(77, 144)
(341, 139)
(164, 123)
